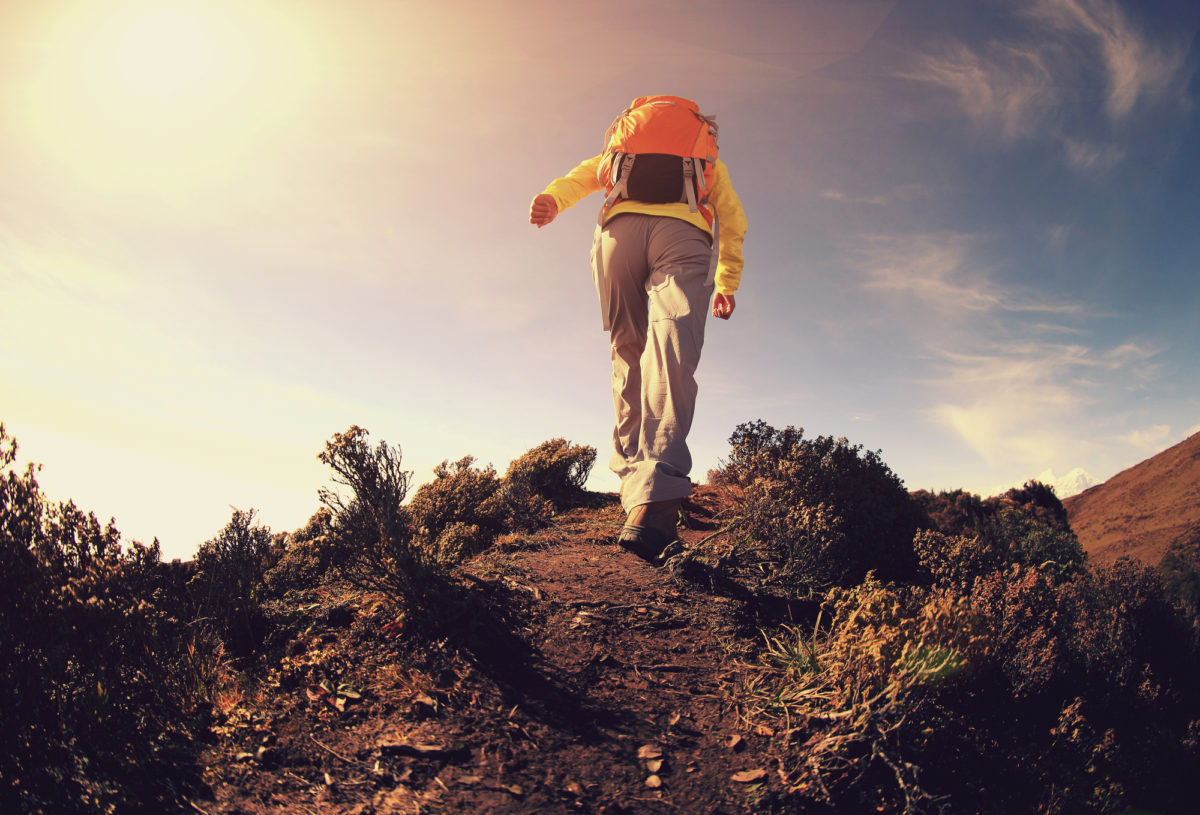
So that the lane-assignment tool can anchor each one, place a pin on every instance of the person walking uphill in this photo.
(669, 233)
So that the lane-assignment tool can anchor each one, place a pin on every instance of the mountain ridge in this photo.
(1140, 511)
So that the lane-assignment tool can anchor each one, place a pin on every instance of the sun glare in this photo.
(163, 95)
(162, 51)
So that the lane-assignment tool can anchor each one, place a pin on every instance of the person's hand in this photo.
(543, 210)
(723, 306)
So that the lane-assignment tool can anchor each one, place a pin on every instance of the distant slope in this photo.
(1140, 511)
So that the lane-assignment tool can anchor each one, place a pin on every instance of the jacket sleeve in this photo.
(575, 185)
(733, 230)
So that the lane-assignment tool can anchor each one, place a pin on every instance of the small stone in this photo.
(654, 765)
(654, 782)
(734, 742)
(749, 776)
(647, 751)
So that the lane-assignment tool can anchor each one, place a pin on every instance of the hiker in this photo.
(670, 231)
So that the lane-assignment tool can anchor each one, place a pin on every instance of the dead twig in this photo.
(336, 754)
(717, 534)
(301, 779)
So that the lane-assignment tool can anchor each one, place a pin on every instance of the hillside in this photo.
(1140, 511)
(591, 682)
(823, 643)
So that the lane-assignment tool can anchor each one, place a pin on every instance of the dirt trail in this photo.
(590, 682)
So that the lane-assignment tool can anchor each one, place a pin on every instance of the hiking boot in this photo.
(650, 530)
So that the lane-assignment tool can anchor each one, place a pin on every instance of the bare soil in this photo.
(566, 676)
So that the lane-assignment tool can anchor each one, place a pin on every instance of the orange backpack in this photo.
(662, 149)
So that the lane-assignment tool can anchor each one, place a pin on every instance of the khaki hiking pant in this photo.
(655, 284)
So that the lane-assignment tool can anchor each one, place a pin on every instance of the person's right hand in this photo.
(543, 210)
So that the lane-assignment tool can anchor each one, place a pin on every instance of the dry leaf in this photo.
(763, 730)
(649, 751)
(749, 776)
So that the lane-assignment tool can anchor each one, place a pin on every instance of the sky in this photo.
(229, 230)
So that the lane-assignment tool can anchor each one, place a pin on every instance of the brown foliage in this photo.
(869, 690)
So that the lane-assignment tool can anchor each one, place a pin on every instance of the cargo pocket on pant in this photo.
(668, 300)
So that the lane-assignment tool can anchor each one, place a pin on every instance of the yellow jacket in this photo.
(583, 181)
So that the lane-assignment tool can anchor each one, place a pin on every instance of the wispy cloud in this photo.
(1135, 67)
(905, 192)
(1011, 372)
(938, 270)
(1088, 156)
(841, 197)
(1022, 402)
(1019, 88)
(1148, 440)
(1004, 90)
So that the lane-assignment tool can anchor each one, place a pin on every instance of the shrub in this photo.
(1027, 538)
(955, 561)
(460, 512)
(819, 512)
(555, 470)
(310, 555)
(461, 498)
(951, 512)
(461, 541)
(1180, 568)
(229, 581)
(868, 689)
(965, 537)
(101, 701)
(1036, 692)
(371, 524)
(1038, 500)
